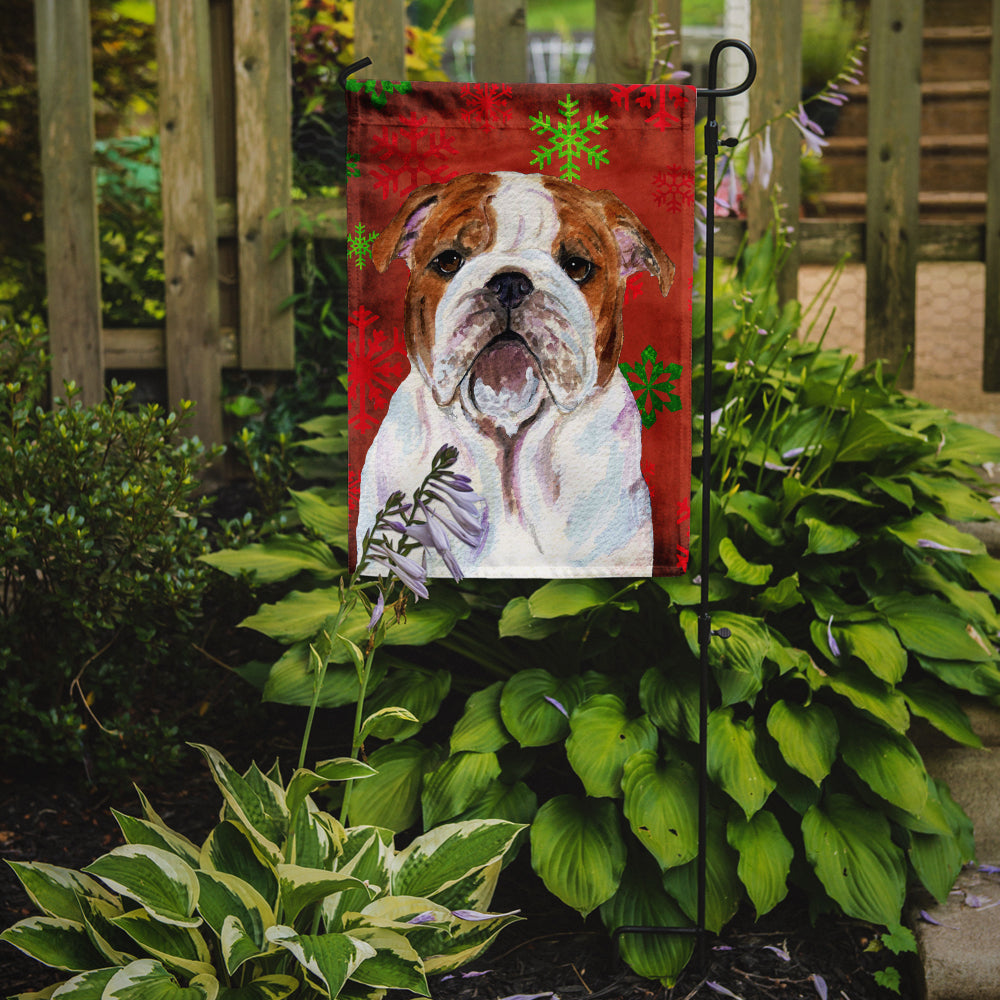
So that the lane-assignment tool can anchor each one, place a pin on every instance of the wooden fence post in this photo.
(190, 252)
(380, 34)
(776, 35)
(72, 254)
(501, 41)
(991, 332)
(892, 215)
(621, 40)
(262, 61)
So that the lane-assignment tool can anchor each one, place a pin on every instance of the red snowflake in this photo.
(353, 488)
(486, 104)
(650, 94)
(376, 364)
(683, 510)
(633, 286)
(683, 555)
(674, 188)
(411, 155)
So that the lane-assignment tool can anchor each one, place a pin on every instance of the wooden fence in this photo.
(226, 161)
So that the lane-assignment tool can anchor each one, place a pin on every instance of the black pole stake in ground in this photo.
(705, 631)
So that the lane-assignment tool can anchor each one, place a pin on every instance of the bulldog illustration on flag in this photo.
(520, 289)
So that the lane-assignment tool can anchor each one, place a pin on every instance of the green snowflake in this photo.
(569, 139)
(652, 388)
(359, 245)
(378, 91)
(353, 165)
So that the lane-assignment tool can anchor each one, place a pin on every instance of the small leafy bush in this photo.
(101, 584)
(280, 899)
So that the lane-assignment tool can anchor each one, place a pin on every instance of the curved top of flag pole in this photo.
(712, 90)
(348, 70)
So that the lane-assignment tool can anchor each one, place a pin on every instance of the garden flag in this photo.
(520, 272)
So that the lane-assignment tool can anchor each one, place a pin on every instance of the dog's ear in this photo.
(401, 235)
(637, 246)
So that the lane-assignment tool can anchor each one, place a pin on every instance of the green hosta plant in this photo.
(279, 900)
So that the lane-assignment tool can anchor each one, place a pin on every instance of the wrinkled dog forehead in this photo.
(526, 215)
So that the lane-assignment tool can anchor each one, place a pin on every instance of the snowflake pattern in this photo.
(653, 388)
(674, 188)
(569, 140)
(411, 155)
(633, 286)
(353, 165)
(359, 245)
(378, 91)
(486, 104)
(649, 94)
(376, 364)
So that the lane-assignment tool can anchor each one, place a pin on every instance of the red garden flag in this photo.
(520, 275)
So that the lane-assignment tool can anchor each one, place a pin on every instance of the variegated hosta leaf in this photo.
(256, 801)
(456, 784)
(54, 941)
(177, 947)
(395, 964)
(225, 897)
(578, 851)
(147, 979)
(230, 849)
(642, 902)
(888, 763)
(661, 799)
(304, 782)
(765, 858)
(315, 838)
(116, 946)
(441, 857)
(87, 986)
(417, 690)
(732, 760)
(850, 847)
(329, 959)
(481, 727)
(476, 890)
(158, 880)
(466, 941)
(141, 831)
(535, 706)
(301, 887)
(367, 853)
(391, 799)
(602, 737)
(56, 891)
(807, 736)
(274, 987)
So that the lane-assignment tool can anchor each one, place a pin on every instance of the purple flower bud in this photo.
(834, 648)
(427, 917)
(377, 612)
(558, 705)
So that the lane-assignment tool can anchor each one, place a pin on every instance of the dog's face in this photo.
(516, 290)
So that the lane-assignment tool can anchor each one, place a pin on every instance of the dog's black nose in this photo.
(510, 287)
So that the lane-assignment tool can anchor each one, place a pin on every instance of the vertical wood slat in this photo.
(72, 255)
(262, 61)
(669, 12)
(501, 41)
(892, 216)
(776, 34)
(991, 332)
(621, 40)
(190, 253)
(380, 34)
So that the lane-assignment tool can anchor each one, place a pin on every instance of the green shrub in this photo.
(99, 541)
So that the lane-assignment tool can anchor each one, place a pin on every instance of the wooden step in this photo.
(940, 13)
(958, 206)
(956, 53)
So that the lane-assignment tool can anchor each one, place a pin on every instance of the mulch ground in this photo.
(550, 953)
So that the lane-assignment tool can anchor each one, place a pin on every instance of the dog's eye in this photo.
(447, 262)
(578, 269)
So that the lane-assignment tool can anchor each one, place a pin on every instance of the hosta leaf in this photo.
(225, 897)
(441, 857)
(456, 784)
(180, 948)
(941, 709)
(230, 849)
(641, 901)
(56, 891)
(517, 620)
(147, 979)
(937, 860)
(928, 528)
(601, 739)
(975, 605)
(274, 987)
(330, 959)
(765, 858)
(783, 595)
(395, 964)
(141, 831)
(870, 435)
(87, 986)
(986, 571)
(866, 692)
(465, 941)
(516, 803)
(418, 690)
(292, 681)
(850, 848)
(301, 887)
(671, 700)
(578, 851)
(159, 881)
(279, 558)
(957, 501)
(965, 443)
(366, 855)
(888, 763)
(723, 889)
(391, 798)
(738, 661)
(558, 598)
(739, 569)
(661, 799)
(807, 736)
(876, 646)
(481, 727)
(54, 941)
(828, 539)
(932, 628)
(387, 723)
(732, 760)
(976, 678)
(758, 511)
(530, 706)
(304, 782)
(327, 520)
